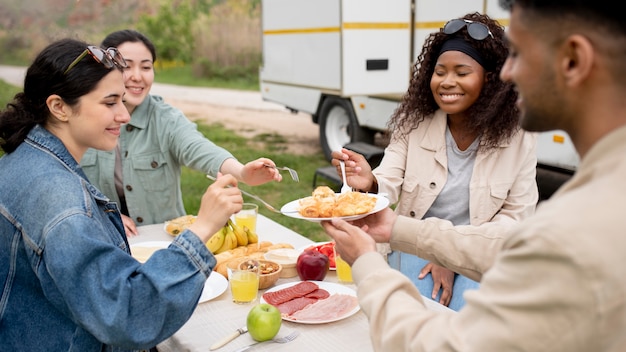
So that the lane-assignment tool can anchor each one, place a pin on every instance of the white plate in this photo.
(171, 234)
(291, 209)
(214, 286)
(143, 250)
(332, 288)
(316, 244)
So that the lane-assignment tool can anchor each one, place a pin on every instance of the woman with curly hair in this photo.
(456, 151)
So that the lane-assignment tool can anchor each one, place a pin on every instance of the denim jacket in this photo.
(67, 280)
(155, 145)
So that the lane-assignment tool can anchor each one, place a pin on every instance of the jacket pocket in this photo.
(153, 172)
(498, 193)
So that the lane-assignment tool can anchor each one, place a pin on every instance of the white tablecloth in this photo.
(218, 317)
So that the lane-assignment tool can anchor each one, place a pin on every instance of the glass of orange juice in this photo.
(247, 216)
(244, 280)
(344, 271)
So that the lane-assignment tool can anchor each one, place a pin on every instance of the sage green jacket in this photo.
(155, 144)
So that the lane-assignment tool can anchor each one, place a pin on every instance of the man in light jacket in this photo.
(556, 281)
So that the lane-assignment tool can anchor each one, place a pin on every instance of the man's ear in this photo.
(577, 60)
(58, 108)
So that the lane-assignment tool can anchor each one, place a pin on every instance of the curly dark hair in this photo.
(494, 114)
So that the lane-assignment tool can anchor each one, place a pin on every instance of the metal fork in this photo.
(266, 204)
(283, 339)
(293, 173)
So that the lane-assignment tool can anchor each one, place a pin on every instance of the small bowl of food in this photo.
(287, 258)
(269, 272)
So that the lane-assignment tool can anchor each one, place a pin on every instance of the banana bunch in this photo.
(229, 237)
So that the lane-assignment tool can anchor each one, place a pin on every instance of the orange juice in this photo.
(344, 272)
(247, 216)
(244, 286)
(247, 220)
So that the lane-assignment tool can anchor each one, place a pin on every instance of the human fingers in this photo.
(446, 297)
(350, 241)
(425, 270)
(129, 226)
(445, 279)
(260, 171)
(337, 155)
(220, 200)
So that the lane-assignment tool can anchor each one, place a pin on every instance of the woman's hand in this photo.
(253, 173)
(221, 200)
(129, 226)
(442, 279)
(358, 170)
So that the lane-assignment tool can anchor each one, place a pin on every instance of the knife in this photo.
(229, 338)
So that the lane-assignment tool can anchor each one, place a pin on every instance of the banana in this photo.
(242, 238)
(216, 241)
(252, 236)
(227, 245)
(233, 239)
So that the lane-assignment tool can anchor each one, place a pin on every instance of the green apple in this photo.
(263, 322)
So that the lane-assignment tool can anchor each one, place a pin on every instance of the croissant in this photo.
(324, 203)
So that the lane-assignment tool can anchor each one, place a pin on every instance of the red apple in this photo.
(312, 265)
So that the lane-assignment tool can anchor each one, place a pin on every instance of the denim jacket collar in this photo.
(41, 138)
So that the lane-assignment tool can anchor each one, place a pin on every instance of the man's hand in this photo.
(378, 225)
(350, 241)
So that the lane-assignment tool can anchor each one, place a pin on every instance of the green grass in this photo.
(276, 193)
(184, 76)
(7, 92)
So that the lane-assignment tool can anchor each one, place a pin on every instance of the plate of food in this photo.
(143, 250)
(176, 226)
(327, 248)
(214, 286)
(325, 204)
(312, 302)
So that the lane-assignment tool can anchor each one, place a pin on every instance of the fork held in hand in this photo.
(345, 187)
(266, 204)
(283, 339)
(293, 173)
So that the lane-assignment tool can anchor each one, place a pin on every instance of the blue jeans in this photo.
(411, 265)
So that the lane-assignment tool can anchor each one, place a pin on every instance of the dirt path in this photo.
(301, 133)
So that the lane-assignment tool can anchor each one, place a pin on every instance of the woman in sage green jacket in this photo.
(143, 173)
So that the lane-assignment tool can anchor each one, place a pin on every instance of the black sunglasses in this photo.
(108, 57)
(476, 30)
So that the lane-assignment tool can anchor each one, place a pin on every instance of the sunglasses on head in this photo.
(476, 30)
(108, 57)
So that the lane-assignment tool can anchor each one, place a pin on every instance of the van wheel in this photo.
(339, 126)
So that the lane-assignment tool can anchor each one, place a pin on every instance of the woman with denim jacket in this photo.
(67, 279)
(143, 173)
(456, 151)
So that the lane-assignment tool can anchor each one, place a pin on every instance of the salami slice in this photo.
(320, 293)
(294, 305)
(300, 289)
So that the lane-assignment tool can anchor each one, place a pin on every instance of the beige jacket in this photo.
(557, 282)
(503, 185)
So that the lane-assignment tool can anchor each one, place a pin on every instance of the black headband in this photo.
(457, 43)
